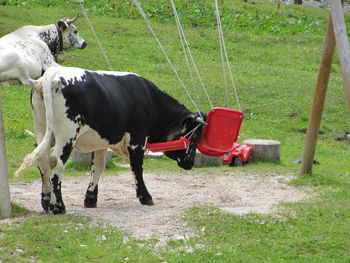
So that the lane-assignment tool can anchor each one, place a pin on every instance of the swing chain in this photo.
(143, 14)
(190, 134)
(81, 2)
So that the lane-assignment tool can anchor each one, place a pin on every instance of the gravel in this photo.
(172, 193)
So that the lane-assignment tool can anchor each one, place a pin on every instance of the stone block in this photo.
(202, 160)
(265, 150)
(86, 158)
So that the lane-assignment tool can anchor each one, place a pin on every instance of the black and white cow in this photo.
(96, 110)
(27, 52)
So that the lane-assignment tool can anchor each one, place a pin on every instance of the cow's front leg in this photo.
(97, 168)
(136, 154)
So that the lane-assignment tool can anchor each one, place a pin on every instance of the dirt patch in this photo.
(118, 206)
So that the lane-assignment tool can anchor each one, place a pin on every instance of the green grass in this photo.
(18, 211)
(68, 239)
(259, 17)
(275, 57)
(255, 238)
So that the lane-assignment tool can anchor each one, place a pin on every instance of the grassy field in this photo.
(275, 56)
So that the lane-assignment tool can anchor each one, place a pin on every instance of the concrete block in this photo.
(86, 158)
(265, 150)
(202, 160)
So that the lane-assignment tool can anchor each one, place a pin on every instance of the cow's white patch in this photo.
(72, 74)
(133, 147)
(144, 147)
(91, 187)
(90, 141)
(121, 148)
(78, 118)
(115, 73)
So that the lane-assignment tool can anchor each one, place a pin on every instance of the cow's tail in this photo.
(44, 85)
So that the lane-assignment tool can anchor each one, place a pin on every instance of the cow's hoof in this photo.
(58, 208)
(45, 201)
(45, 205)
(144, 201)
(90, 202)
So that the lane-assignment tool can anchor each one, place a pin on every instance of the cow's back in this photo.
(24, 47)
(24, 33)
(111, 103)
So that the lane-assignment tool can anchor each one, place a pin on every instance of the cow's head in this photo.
(70, 36)
(191, 127)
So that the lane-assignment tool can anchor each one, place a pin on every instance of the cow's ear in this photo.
(62, 25)
(188, 121)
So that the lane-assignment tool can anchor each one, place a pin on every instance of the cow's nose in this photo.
(84, 45)
(186, 165)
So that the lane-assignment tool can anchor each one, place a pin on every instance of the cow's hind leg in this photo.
(13, 67)
(43, 166)
(61, 153)
(43, 160)
(136, 154)
(97, 168)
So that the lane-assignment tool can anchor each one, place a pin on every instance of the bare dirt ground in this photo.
(118, 206)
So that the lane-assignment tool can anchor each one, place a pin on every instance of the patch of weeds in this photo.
(18, 210)
(294, 115)
(317, 179)
(344, 138)
(196, 13)
(304, 130)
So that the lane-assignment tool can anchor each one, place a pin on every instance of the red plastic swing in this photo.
(217, 138)
(180, 144)
(221, 134)
(222, 131)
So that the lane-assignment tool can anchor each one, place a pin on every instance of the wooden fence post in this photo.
(336, 34)
(342, 44)
(5, 203)
(319, 99)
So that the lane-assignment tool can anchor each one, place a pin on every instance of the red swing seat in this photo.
(222, 131)
(180, 144)
(218, 138)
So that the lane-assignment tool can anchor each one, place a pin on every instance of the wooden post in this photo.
(342, 44)
(336, 33)
(319, 99)
(5, 204)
